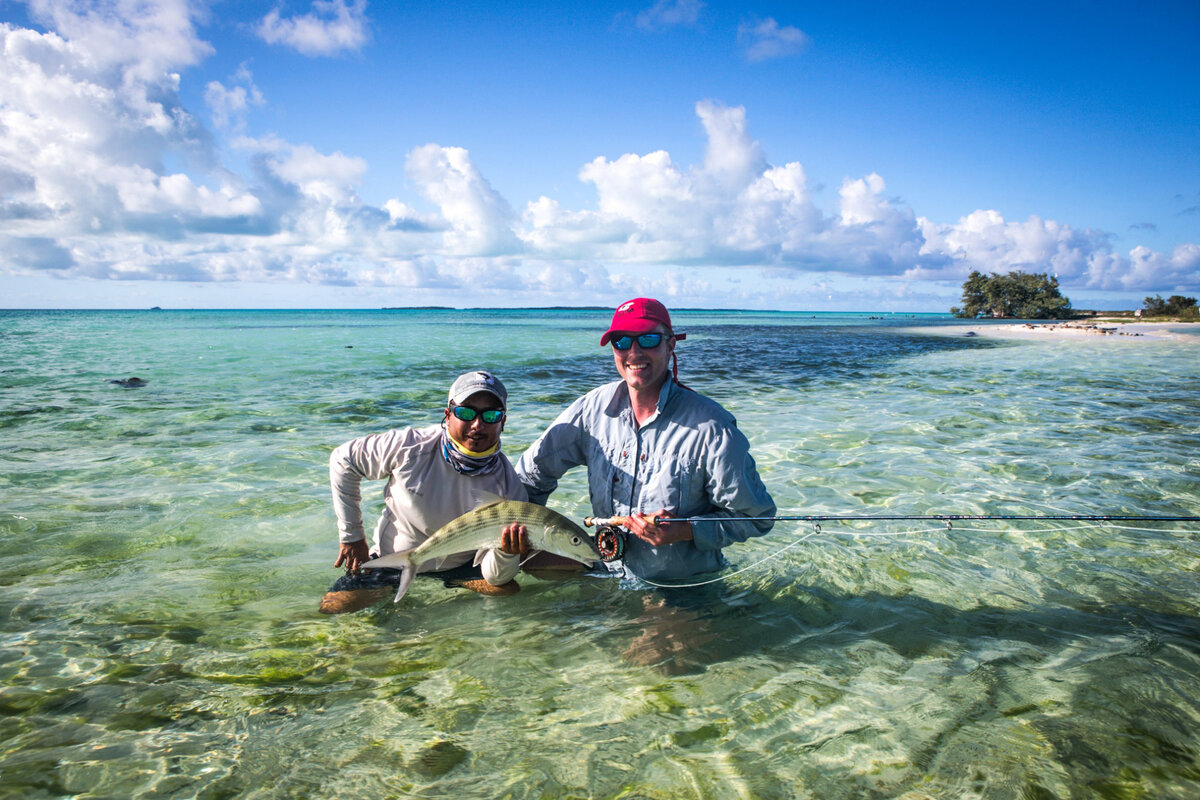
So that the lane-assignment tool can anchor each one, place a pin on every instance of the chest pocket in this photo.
(671, 485)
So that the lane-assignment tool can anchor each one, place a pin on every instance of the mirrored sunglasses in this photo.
(647, 341)
(467, 414)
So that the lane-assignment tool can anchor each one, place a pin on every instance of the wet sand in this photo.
(1071, 329)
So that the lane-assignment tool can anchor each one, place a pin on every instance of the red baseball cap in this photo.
(637, 316)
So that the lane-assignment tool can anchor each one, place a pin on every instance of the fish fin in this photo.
(486, 499)
(390, 561)
(406, 578)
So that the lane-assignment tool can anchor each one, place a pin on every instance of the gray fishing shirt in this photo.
(423, 493)
(688, 458)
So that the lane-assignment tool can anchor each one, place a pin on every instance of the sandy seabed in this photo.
(1071, 329)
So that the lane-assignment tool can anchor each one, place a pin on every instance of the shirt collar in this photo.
(619, 403)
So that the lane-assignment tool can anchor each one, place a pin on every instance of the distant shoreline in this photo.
(1086, 329)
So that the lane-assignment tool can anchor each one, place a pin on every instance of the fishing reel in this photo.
(610, 542)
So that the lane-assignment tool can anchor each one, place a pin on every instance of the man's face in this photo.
(476, 435)
(644, 368)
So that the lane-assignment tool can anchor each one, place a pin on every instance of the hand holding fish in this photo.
(646, 527)
(353, 554)
(514, 539)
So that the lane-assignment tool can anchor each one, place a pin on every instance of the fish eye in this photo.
(576, 540)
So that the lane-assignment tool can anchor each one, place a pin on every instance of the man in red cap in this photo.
(654, 447)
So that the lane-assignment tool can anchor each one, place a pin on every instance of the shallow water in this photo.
(162, 550)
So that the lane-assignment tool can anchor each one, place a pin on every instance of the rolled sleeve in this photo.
(498, 567)
(736, 491)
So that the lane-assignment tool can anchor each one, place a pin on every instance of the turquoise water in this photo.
(162, 551)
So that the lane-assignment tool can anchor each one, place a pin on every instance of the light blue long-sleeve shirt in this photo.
(688, 458)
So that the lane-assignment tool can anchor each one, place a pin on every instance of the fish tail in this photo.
(406, 579)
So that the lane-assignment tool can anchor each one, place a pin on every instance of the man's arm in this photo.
(558, 449)
(368, 457)
(736, 491)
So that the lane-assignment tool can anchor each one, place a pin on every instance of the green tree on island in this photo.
(1173, 306)
(1018, 294)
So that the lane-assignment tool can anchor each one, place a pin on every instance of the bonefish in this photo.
(479, 530)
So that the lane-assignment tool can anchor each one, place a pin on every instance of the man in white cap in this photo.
(654, 448)
(434, 475)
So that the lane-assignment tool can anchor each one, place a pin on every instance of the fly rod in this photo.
(610, 542)
(654, 520)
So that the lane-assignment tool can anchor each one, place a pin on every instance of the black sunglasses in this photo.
(647, 341)
(467, 414)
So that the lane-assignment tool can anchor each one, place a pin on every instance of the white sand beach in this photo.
(1071, 329)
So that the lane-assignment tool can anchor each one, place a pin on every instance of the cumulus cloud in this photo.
(144, 39)
(319, 176)
(479, 221)
(734, 208)
(229, 104)
(765, 39)
(732, 159)
(669, 14)
(1145, 269)
(332, 27)
(86, 125)
(991, 243)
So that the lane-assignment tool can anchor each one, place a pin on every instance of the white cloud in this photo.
(669, 14)
(86, 125)
(332, 27)
(984, 240)
(145, 39)
(648, 191)
(479, 221)
(765, 39)
(732, 160)
(862, 201)
(144, 193)
(230, 103)
(326, 178)
(1146, 270)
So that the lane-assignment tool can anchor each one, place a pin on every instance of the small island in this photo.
(1001, 304)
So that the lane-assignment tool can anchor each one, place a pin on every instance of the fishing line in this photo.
(947, 518)
(719, 578)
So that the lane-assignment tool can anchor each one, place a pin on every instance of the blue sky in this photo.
(854, 156)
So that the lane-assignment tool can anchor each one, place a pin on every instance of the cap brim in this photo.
(462, 397)
(635, 327)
